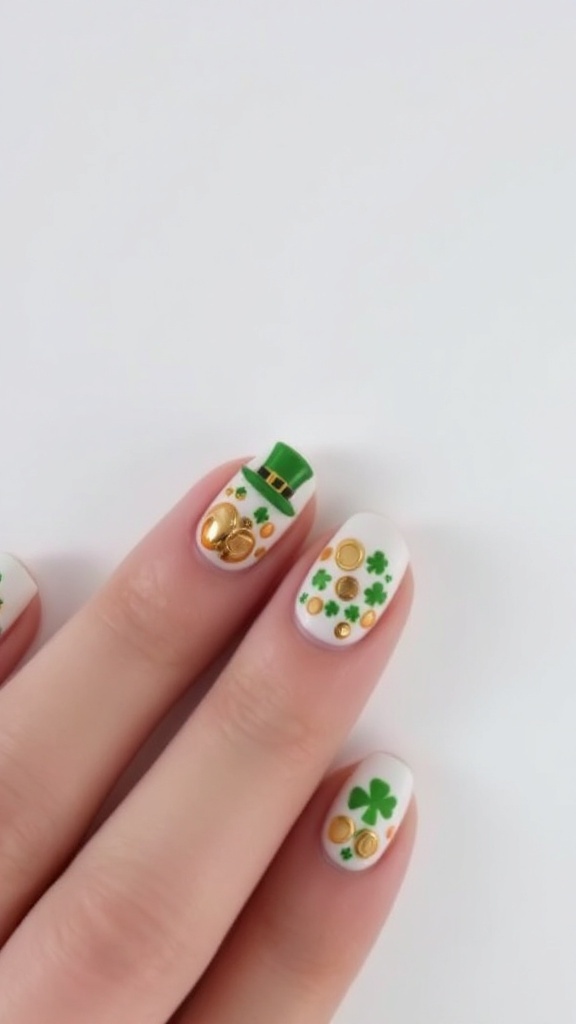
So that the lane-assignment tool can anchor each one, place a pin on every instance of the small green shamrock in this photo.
(375, 594)
(388, 579)
(352, 613)
(346, 853)
(331, 608)
(241, 493)
(377, 562)
(303, 598)
(377, 800)
(261, 515)
(321, 579)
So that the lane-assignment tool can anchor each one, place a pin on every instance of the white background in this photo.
(351, 226)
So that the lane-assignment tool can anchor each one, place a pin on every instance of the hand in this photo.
(228, 886)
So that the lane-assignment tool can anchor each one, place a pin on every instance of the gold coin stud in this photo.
(350, 554)
(315, 605)
(368, 619)
(341, 829)
(367, 843)
(347, 588)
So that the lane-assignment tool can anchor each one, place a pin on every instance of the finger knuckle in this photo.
(261, 707)
(137, 609)
(114, 929)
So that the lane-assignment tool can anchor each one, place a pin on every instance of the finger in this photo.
(308, 928)
(73, 718)
(141, 911)
(19, 612)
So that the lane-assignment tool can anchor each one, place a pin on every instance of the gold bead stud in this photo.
(342, 630)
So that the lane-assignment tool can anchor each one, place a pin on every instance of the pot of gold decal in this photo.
(220, 521)
(224, 530)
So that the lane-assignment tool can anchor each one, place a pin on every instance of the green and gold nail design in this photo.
(256, 508)
(367, 812)
(353, 581)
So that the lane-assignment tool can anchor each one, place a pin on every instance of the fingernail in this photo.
(17, 588)
(255, 509)
(353, 581)
(367, 812)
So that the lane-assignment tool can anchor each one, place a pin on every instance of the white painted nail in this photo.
(17, 588)
(255, 508)
(353, 581)
(367, 812)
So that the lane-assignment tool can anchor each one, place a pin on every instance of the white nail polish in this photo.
(17, 588)
(255, 508)
(367, 812)
(353, 581)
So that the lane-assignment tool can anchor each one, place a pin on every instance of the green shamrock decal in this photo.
(241, 493)
(261, 515)
(346, 853)
(377, 800)
(352, 613)
(377, 562)
(303, 598)
(332, 608)
(321, 579)
(375, 594)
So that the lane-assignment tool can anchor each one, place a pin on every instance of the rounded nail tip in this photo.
(382, 757)
(375, 521)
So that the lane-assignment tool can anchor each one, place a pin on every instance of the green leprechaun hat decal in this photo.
(283, 472)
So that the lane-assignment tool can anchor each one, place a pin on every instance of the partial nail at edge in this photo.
(367, 812)
(353, 581)
(255, 508)
(17, 588)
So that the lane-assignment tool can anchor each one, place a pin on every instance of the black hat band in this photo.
(275, 481)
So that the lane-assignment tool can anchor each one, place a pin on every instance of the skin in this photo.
(206, 889)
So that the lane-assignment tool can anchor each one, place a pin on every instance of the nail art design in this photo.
(367, 812)
(355, 578)
(17, 588)
(253, 511)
